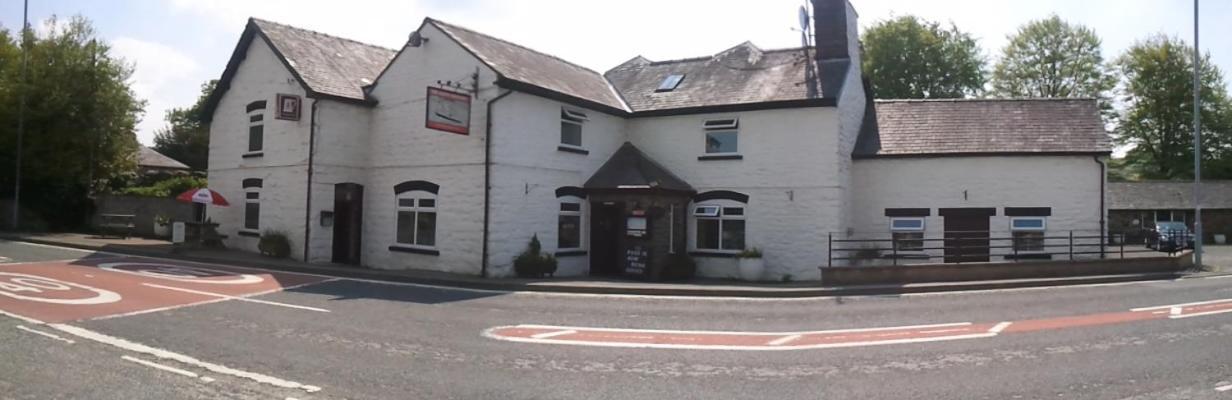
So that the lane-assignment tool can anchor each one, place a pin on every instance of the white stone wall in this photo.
(261, 76)
(788, 170)
(1068, 184)
(341, 156)
(528, 168)
(402, 149)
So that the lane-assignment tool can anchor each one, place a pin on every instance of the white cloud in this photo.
(162, 75)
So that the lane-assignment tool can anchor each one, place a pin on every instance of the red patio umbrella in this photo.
(203, 196)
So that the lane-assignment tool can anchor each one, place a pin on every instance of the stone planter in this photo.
(1221, 238)
(752, 269)
(162, 230)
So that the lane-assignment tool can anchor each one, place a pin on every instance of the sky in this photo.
(176, 45)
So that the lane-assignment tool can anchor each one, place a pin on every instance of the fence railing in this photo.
(981, 246)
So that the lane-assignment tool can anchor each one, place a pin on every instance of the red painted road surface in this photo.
(62, 291)
(722, 340)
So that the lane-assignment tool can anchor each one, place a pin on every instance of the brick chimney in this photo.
(830, 29)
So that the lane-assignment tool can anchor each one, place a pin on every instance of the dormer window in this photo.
(670, 83)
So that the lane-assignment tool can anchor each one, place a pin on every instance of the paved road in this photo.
(385, 341)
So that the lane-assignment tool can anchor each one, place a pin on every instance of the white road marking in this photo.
(1200, 314)
(16, 285)
(668, 331)
(230, 297)
(23, 318)
(155, 365)
(64, 261)
(784, 340)
(164, 354)
(1000, 327)
(50, 335)
(489, 334)
(181, 273)
(546, 335)
(1174, 311)
(5, 259)
(944, 330)
(1223, 388)
(1169, 306)
(204, 302)
(207, 379)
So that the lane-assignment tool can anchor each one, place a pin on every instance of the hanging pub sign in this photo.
(448, 111)
(288, 107)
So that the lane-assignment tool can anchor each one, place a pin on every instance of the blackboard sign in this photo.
(636, 259)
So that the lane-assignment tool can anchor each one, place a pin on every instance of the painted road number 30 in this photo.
(47, 290)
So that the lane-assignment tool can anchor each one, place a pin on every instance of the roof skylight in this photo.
(670, 83)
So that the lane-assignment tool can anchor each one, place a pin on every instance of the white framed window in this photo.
(571, 127)
(908, 233)
(719, 226)
(252, 209)
(256, 126)
(416, 225)
(569, 224)
(722, 136)
(1028, 233)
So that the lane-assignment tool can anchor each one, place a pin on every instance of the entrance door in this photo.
(966, 234)
(348, 222)
(605, 231)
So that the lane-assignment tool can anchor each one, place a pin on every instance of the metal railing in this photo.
(981, 246)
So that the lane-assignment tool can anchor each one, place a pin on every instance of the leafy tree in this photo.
(910, 58)
(1158, 117)
(80, 120)
(186, 137)
(1053, 58)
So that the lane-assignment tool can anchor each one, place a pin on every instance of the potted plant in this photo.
(533, 263)
(274, 244)
(1221, 238)
(752, 266)
(162, 226)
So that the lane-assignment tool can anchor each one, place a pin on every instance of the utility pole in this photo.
(21, 112)
(91, 117)
(1197, 139)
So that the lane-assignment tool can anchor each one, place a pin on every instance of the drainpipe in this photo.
(312, 141)
(487, 179)
(1102, 177)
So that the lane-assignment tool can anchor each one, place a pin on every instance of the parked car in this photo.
(1170, 236)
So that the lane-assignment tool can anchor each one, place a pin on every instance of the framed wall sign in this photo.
(288, 107)
(448, 111)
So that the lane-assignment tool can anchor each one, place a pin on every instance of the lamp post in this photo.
(1197, 139)
(21, 114)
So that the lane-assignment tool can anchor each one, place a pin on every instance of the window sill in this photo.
(716, 157)
(714, 253)
(571, 149)
(249, 233)
(570, 253)
(414, 250)
(253, 154)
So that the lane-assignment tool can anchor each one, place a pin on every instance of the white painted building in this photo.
(451, 153)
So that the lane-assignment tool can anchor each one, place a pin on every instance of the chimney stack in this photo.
(830, 29)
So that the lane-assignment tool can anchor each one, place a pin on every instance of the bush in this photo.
(274, 244)
(750, 253)
(166, 188)
(533, 263)
(678, 266)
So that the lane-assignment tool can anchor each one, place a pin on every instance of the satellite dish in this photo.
(416, 40)
(804, 19)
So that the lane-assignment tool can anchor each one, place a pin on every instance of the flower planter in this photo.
(1221, 238)
(752, 269)
(162, 230)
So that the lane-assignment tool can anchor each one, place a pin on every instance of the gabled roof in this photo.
(149, 158)
(630, 168)
(327, 66)
(744, 74)
(533, 70)
(1167, 195)
(985, 126)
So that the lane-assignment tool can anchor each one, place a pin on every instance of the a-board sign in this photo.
(636, 259)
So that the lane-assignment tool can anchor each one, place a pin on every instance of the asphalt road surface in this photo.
(178, 330)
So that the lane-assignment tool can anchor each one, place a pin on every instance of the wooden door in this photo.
(348, 222)
(966, 234)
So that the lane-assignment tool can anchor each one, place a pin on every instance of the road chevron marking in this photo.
(230, 297)
(155, 365)
(1000, 327)
(45, 334)
(546, 335)
(784, 340)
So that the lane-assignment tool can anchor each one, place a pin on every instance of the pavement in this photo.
(186, 330)
(1219, 258)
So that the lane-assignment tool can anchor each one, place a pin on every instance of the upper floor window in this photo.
(722, 136)
(256, 126)
(571, 127)
(1028, 233)
(908, 233)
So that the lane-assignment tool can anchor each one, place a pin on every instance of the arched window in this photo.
(416, 205)
(256, 127)
(719, 221)
(252, 204)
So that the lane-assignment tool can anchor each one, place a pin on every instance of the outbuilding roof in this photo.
(1167, 195)
(984, 126)
(629, 168)
(150, 158)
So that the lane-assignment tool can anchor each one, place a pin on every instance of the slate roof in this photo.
(327, 64)
(985, 126)
(630, 167)
(517, 63)
(739, 75)
(1167, 195)
(149, 158)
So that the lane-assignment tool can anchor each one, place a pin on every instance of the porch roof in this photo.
(629, 168)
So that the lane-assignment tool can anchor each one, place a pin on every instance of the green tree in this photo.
(1053, 58)
(186, 137)
(1158, 118)
(910, 58)
(80, 120)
